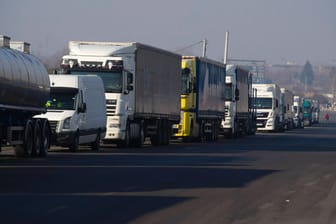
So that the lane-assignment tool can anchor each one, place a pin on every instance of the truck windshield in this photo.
(307, 110)
(263, 103)
(296, 109)
(228, 92)
(112, 80)
(186, 82)
(62, 99)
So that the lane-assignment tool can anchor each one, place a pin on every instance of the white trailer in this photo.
(142, 88)
(268, 107)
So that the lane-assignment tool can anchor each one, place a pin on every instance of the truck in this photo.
(202, 99)
(307, 112)
(315, 111)
(240, 117)
(298, 111)
(268, 107)
(24, 90)
(286, 112)
(76, 111)
(142, 88)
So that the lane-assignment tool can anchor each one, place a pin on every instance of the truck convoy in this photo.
(202, 99)
(286, 111)
(240, 115)
(24, 90)
(142, 88)
(76, 110)
(298, 112)
(268, 108)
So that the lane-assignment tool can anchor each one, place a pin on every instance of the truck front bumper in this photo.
(63, 139)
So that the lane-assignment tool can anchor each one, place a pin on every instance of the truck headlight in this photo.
(66, 123)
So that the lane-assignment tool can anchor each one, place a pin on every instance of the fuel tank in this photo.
(24, 81)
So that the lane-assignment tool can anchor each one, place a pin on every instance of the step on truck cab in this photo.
(142, 88)
(76, 110)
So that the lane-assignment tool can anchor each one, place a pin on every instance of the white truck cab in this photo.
(298, 112)
(76, 110)
(268, 107)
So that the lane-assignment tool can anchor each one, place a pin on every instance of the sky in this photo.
(278, 31)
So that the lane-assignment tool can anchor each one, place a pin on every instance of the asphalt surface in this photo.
(267, 178)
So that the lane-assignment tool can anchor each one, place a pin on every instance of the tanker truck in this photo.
(142, 88)
(24, 90)
(202, 99)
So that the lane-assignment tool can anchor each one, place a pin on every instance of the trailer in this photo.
(240, 116)
(24, 90)
(202, 99)
(142, 88)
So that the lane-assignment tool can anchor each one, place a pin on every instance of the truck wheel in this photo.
(27, 147)
(95, 145)
(165, 133)
(157, 138)
(141, 139)
(75, 143)
(37, 133)
(45, 138)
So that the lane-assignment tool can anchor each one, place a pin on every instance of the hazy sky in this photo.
(273, 30)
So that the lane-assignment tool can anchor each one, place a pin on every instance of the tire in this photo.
(140, 141)
(45, 138)
(26, 148)
(37, 136)
(75, 143)
(95, 145)
(157, 139)
(165, 133)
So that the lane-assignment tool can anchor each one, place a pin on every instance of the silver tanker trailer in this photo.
(24, 90)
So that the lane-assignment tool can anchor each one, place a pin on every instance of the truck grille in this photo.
(261, 123)
(227, 111)
(265, 114)
(111, 107)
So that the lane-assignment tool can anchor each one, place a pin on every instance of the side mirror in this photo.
(129, 78)
(129, 88)
(82, 108)
(236, 94)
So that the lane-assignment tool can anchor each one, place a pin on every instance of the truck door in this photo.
(81, 112)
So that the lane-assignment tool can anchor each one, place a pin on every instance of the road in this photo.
(267, 178)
